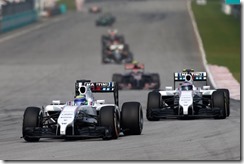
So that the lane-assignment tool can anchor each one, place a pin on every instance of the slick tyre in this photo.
(227, 98)
(156, 79)
(110, 118)
(32, 119)
(153, 101)
(104, 57)
(218, 101)
(122, 39)
(117, 78)
(132, 118)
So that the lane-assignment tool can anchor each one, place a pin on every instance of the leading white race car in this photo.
(187, 100)
(78, 118)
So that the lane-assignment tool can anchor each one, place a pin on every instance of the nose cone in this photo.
(186, 100)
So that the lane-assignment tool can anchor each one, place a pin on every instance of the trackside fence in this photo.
(15, 15)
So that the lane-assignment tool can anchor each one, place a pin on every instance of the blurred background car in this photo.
(95, 9)
(136, 78)
(106, 20)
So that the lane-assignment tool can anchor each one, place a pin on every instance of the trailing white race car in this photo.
(84, 117)
(187, 100)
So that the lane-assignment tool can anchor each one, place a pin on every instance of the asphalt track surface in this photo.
(43, 65)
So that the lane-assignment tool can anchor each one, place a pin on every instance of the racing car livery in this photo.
(187, 100)
(137, 78)
(105, 20)
(84, 117)
(115, 52)
(112, 36)
(95, 9)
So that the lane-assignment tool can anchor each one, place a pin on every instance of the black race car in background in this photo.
(116, 52)
(95, 9)
(106, 19)
(137, 78)
(111, 36)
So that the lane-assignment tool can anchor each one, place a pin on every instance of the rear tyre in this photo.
(218, 101)
(153, 101)
(156, 79)
(109, 118)
(122, 39)
(103, 40)
(127, 47)
(104, 57)
(32, 119)
(118, 78)
(132, 118)
(227, 96)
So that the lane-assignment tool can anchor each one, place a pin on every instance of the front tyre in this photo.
(227, 96)
(153, 102)
(32, 119)
(132, 118)
(218, 101)
(156, 79)
(109, 118)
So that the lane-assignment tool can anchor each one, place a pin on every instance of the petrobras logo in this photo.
(233, 2)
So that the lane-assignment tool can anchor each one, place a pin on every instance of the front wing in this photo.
(170, 113)
(87, 132)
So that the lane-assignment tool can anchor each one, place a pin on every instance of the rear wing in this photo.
(133, 66)
(190, 76)
(99, 87)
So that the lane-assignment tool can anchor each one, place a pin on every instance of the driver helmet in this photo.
(80, 100)
(136, 65)
(112, 33)
(186, 86)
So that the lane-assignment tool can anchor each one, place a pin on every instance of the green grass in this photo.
(221, 36)
(69, 3)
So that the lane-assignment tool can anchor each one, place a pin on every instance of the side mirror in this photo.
(100, 101)
(56, 102)
(168, 88)
(206, 87)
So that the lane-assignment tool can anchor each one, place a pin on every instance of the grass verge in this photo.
(221, 36)
(69, 3)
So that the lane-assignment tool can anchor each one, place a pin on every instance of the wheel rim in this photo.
(140, 120)
(116, 125)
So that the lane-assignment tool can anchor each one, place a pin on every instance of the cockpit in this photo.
(186, 87)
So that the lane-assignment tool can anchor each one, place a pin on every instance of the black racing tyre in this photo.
(104, 56)
(126, 47)
(153, 101)
(109, 118)
(32, 119)
(227, 96)
(117, 78)
(122, 39)
(218, 101)
(103, 39)
(156, 79)
(129, 58)
(132, 118)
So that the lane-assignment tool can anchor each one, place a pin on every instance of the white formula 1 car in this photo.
(187, 100)
(94, 118)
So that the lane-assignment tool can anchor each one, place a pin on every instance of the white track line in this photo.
(199, 40)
